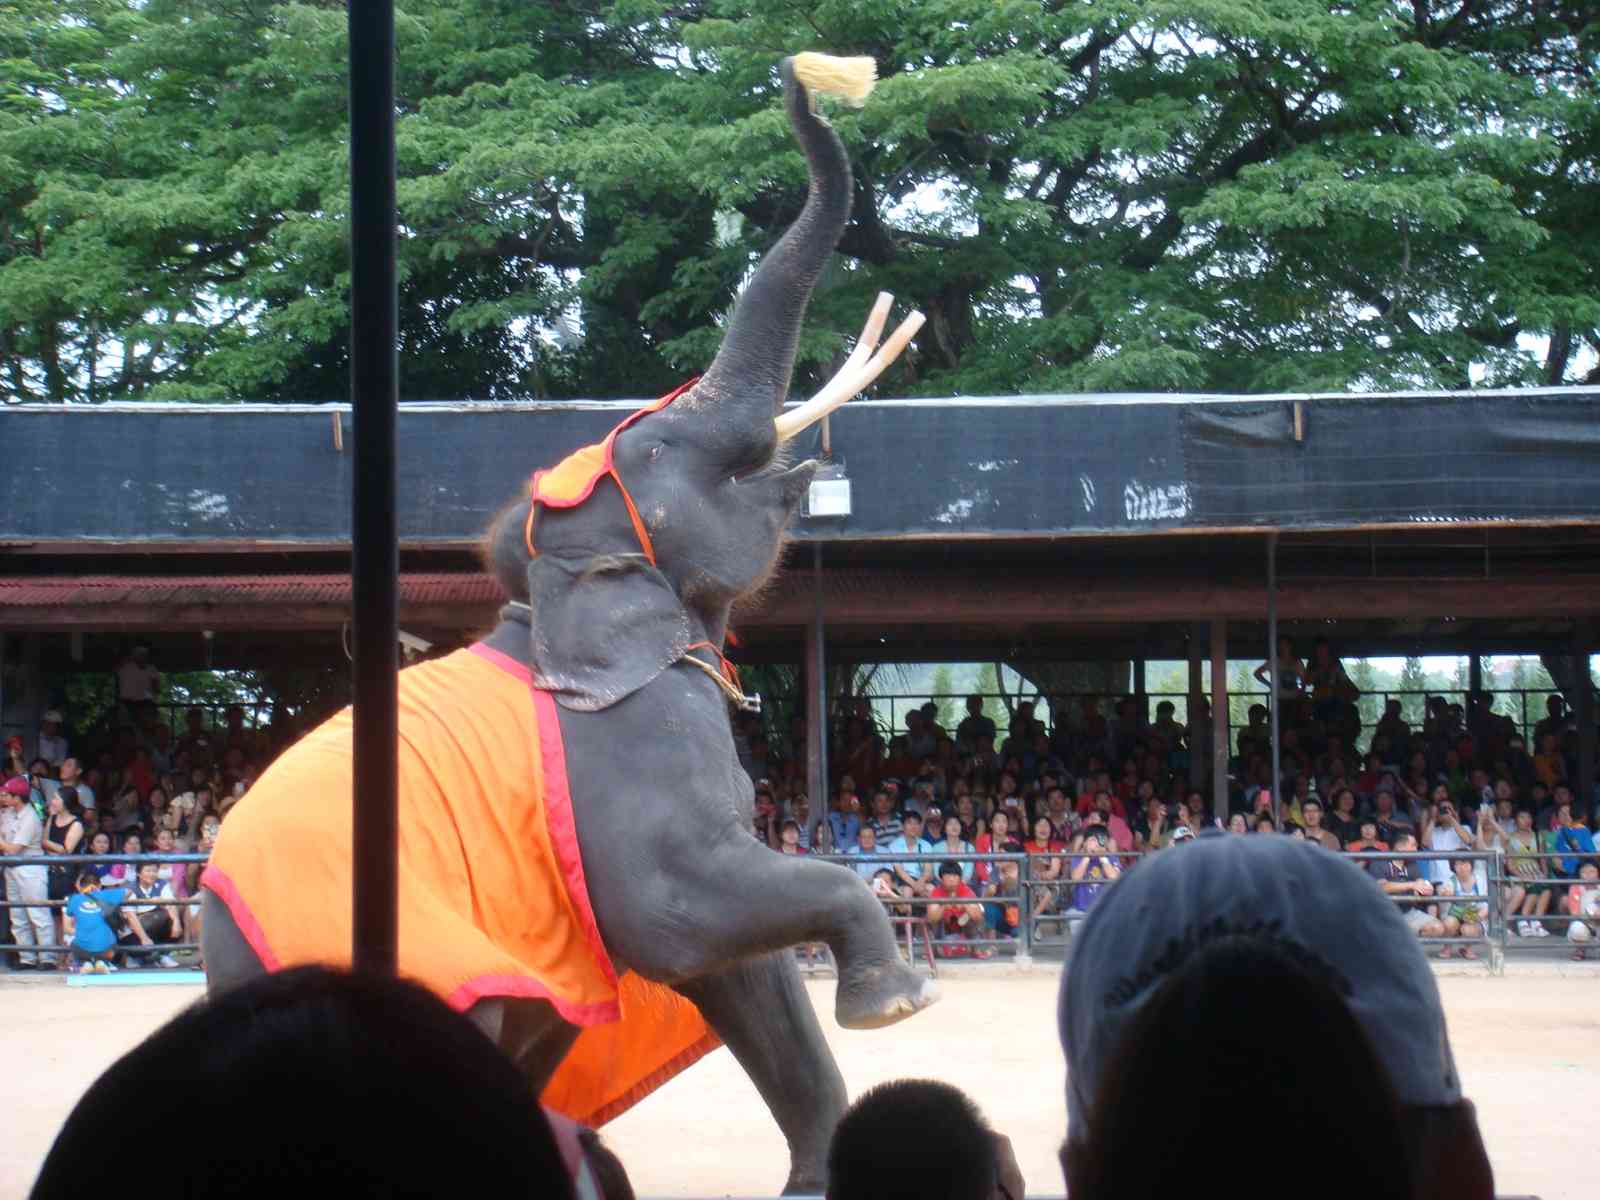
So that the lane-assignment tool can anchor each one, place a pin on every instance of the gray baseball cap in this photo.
(1316, 905)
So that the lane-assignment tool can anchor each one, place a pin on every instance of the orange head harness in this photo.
(572, 481)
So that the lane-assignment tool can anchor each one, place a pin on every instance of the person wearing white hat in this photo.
(1171, 968)
(52, 742)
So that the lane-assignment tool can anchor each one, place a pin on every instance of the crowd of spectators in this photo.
(1086, 796)
(127, 786)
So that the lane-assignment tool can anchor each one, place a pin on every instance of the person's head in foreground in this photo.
(315, 1082)
(922, 1138)
(1260, 979)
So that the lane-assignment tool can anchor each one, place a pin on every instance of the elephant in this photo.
(619, 598)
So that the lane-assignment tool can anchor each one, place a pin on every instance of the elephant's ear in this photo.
(603, 627)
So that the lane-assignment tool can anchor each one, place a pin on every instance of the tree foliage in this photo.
(1122, 194)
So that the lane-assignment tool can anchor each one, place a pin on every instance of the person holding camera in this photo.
(1443, 831)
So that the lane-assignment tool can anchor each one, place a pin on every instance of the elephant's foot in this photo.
(875, 996)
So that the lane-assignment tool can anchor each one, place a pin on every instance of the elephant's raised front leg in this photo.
(681, 888)
(762, 1013)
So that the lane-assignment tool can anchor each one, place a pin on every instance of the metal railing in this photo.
(1491, 884)
(60, 952)
(1056, 911)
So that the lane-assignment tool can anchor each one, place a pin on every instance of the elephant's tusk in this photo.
(858, 371)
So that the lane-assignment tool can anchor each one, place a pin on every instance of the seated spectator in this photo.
(1401, 878)
(996, 840)
(1044, 868)
(1462, 918)
(1343, 821)
(1004, 919)
(1150, 826)
(1582, 903)
(315, 1079)
(789, 838)
(953, 925)
(1521, 848)
(100, 843)
(1311, 811)
(954, 843)
(918, 1137)
(1573, 838)
(912, 875)
(844, 821)
(87, 922)
(866, 850)
(1238, 824)
(1264, 824)
(1093, 869)
(149, 925)
(1366, 840)
(1549, 765)
(884, 821)
(1236, 942)
(1391, 819)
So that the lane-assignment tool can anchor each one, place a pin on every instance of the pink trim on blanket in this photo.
(222, 887)
(558, 802)
(563, 831)
(504, 661)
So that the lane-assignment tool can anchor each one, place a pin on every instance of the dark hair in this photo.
(912, 1137)
(1243, 1006)
(87, 876)
(311, 1078)
(949, 867)
(609, 1174)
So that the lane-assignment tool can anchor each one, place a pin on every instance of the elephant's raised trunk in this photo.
(754, 365)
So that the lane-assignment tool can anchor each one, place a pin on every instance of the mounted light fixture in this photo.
(830, 492)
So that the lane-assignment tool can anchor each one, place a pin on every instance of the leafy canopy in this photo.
(1237, 195)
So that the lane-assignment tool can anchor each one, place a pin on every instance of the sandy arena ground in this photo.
(1528, 1046)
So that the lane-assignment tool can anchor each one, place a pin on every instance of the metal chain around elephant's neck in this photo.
(725, 675)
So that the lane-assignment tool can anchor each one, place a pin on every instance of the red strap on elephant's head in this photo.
(571, 481)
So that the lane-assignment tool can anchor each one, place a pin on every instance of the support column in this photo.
(1272, 657)
(1583, 705)
(1140, 698)
(816, 684)
(1197, 634)
(1474, 673)
(1219, 716)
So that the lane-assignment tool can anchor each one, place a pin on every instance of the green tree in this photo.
(1412, 679)
(1370, 704)
(944, 687)
(1111, 196)
(995, 698)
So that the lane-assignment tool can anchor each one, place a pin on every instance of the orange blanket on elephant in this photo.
(492, 894)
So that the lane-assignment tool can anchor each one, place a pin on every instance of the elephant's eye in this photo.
(655, 452)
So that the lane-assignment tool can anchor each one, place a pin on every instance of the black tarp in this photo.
(1029, 467)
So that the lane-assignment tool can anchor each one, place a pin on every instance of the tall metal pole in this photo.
(817, 696)
(1219, 715)
(1272, 657)
(1583, 705)
(375, 560)
(1197, 633)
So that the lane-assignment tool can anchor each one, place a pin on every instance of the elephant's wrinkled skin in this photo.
(682, 892)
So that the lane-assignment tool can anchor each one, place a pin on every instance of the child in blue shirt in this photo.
(87, 927)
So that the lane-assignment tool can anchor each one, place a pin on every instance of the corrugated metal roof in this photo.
(101, 591)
